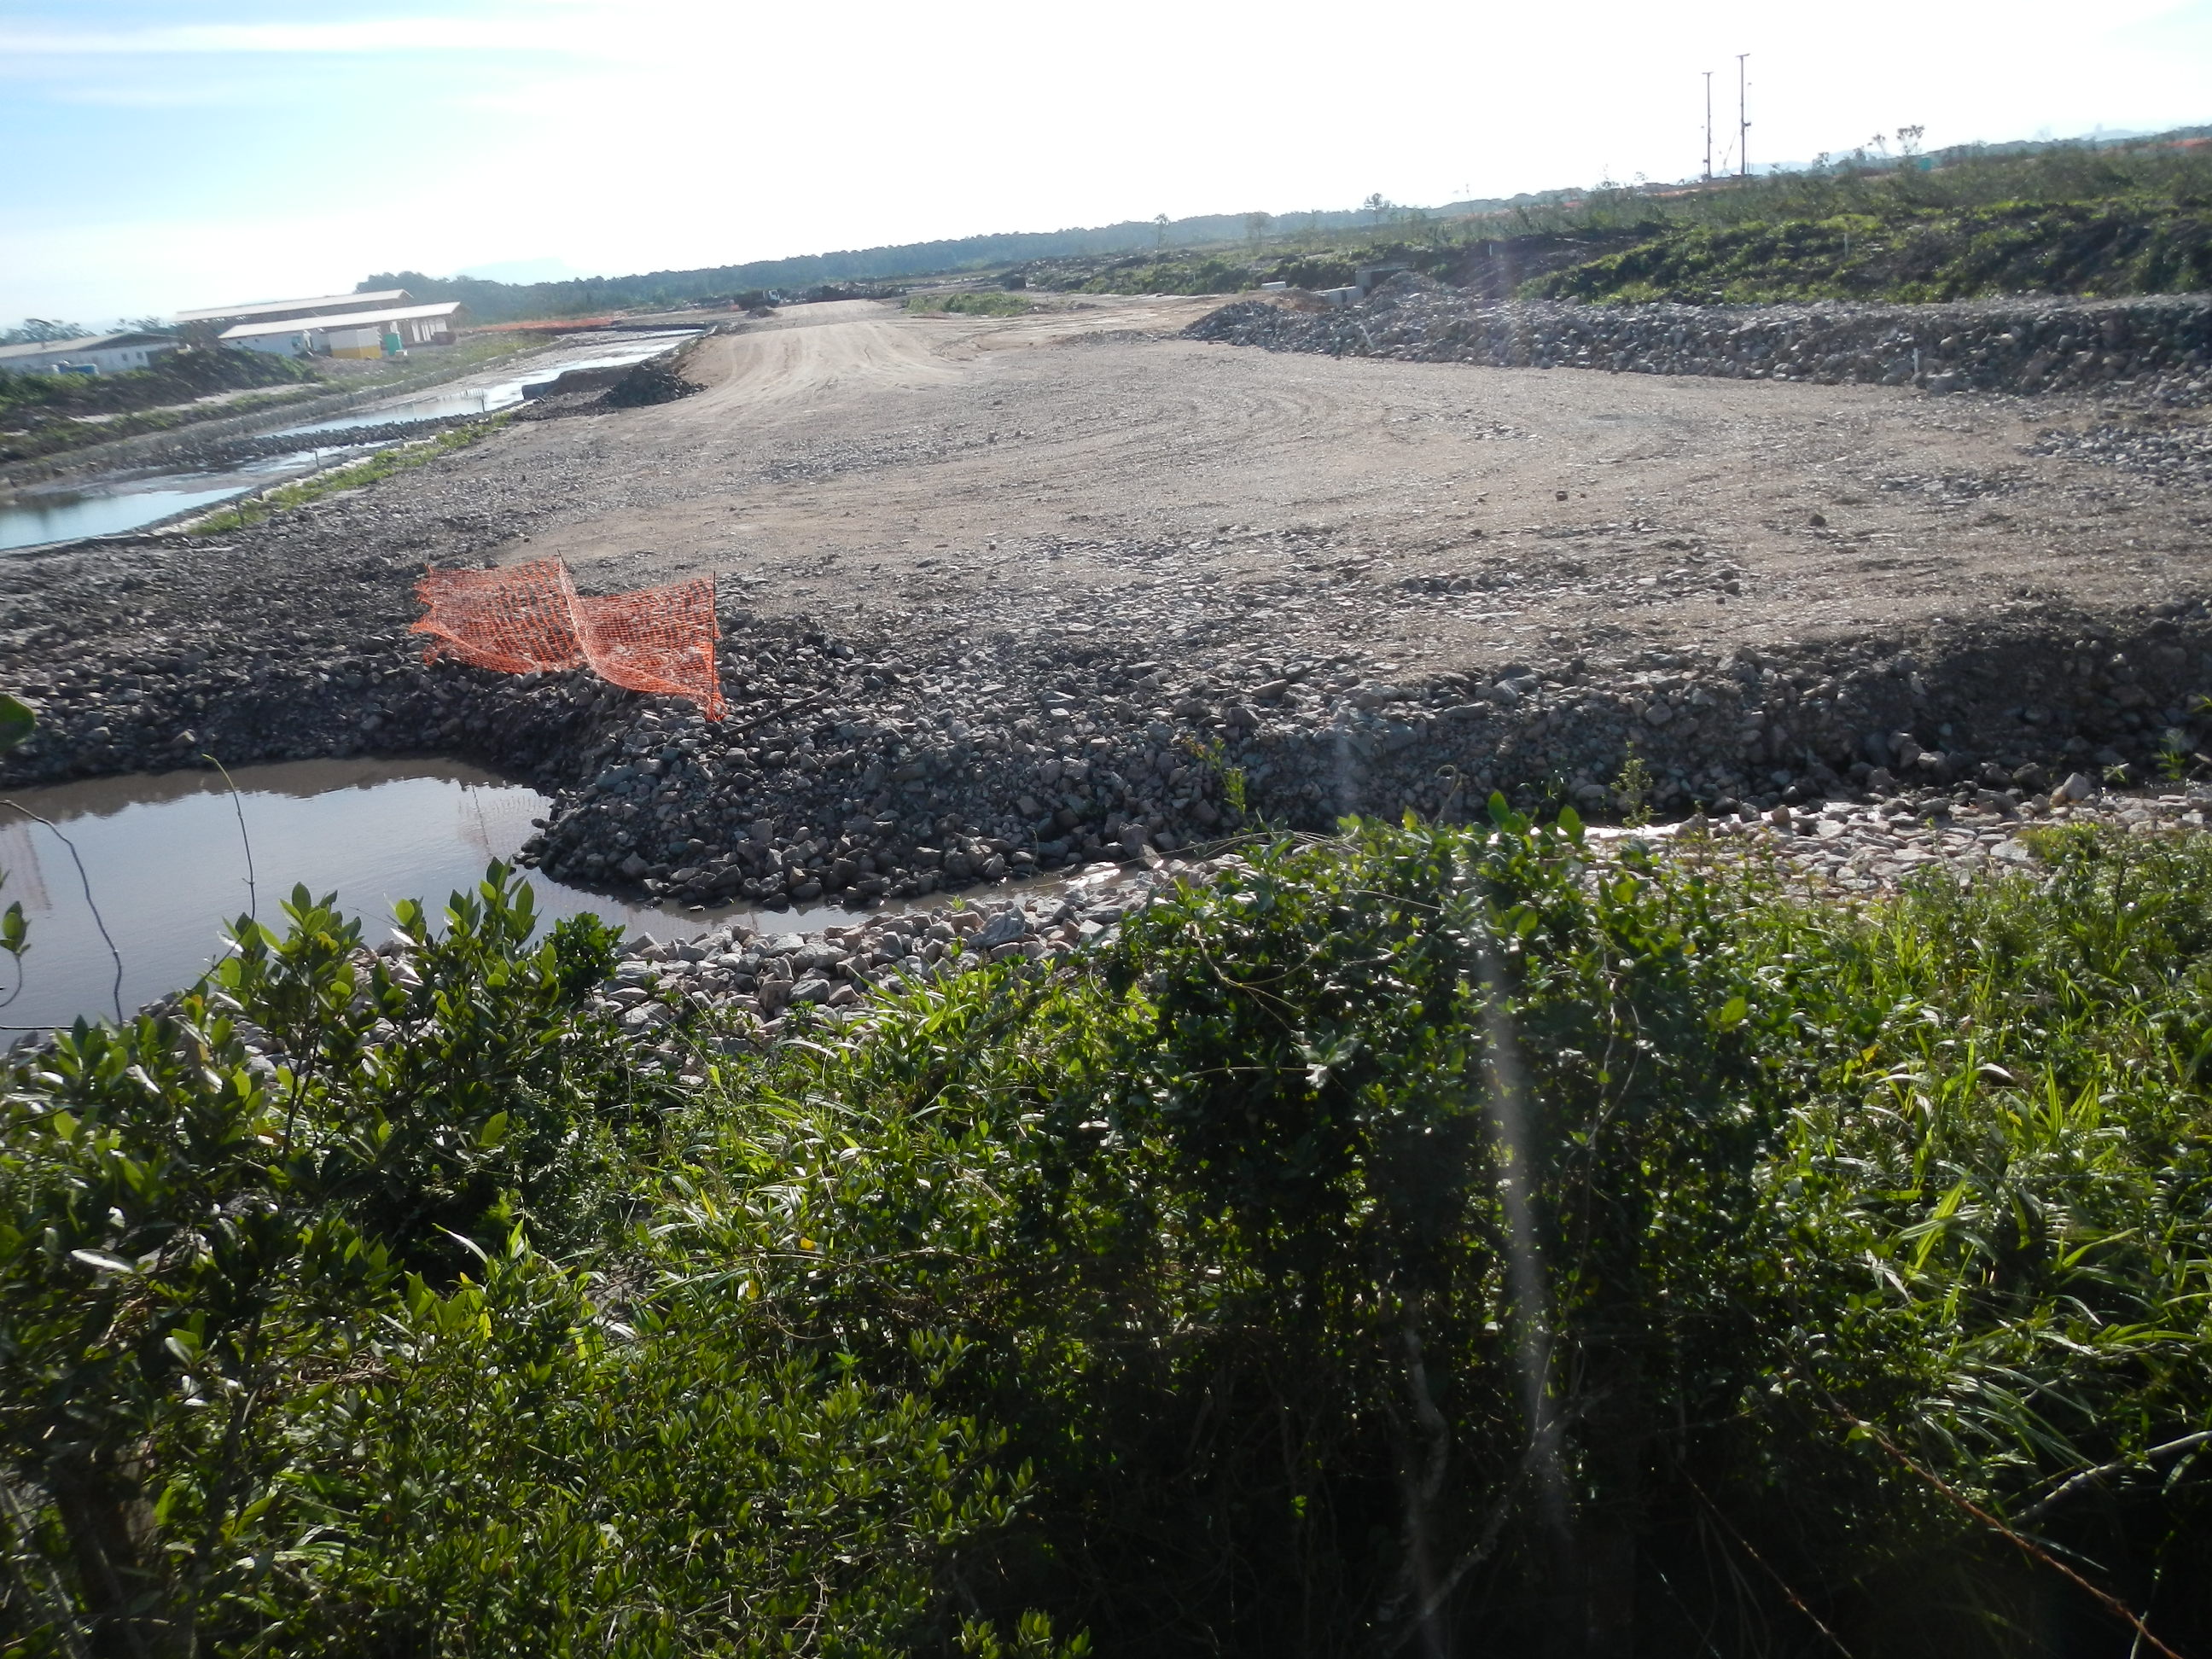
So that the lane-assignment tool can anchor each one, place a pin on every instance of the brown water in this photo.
(166, 867)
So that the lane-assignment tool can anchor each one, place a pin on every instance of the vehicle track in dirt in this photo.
(984, 475)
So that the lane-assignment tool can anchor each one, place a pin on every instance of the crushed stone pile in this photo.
(2159, 347)
(883, 768)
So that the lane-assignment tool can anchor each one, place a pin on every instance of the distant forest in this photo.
(495, 302)
(2150, 186)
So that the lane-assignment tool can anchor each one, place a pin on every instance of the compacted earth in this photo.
(1007, 593)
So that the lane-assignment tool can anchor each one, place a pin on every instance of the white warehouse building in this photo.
(88, 354)
(370, 333)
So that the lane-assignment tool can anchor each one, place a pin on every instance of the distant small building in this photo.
(370, 333)
(89, 353)
(214, 319)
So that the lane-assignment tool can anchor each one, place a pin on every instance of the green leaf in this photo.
(18, 719)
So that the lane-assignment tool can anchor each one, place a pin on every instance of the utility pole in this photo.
(1742, 118)
(1709, 126)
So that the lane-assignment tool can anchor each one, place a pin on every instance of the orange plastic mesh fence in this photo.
(658, 639)
(528, 618)
(520, 620)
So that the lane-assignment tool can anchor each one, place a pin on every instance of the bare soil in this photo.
(1083, 467)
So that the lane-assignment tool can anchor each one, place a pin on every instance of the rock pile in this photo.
(1847, 849)
(653, 381)
(754, 981)
(874, 767)
(2159, 347)
(751, 983)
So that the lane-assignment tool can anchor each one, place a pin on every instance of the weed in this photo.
(1632, 788)
(382, 465)
(2174, 755)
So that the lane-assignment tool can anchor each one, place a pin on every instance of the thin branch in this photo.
(84, 880)
(2036, 1511)
(237, 805)
(1744, 1544)
(2026, 1547)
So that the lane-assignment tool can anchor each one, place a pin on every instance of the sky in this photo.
(172, 153)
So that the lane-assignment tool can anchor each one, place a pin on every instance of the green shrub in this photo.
(984, 303)
(1436, 1237)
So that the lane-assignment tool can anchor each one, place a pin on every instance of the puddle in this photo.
(487, 394)
(166, 868)
(36, 516)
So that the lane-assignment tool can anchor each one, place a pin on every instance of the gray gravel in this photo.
(2158, 346)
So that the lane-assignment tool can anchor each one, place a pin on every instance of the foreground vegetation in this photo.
(1433, 1240)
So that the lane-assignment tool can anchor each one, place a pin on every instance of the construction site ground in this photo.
(1041, 588)
(1083, 466)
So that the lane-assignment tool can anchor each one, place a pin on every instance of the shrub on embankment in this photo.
(2106, 250)
(45, 411)
(1427, 1228)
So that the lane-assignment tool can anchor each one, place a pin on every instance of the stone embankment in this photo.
(876, 767)
(2159, 347)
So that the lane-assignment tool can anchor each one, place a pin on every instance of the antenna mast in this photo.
(1709, 126)
(1742, 118)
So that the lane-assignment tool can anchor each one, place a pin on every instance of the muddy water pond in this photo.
(166, 867)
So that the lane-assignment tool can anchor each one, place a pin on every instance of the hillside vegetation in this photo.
(2115, 218)
(41, 414)
(2069, 219)
(1426, 1239)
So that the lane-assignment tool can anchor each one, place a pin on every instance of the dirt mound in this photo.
(653, 382)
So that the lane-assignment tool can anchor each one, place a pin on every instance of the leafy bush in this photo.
(984, 303)
(1435, 1237)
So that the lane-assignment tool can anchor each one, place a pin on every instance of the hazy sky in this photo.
(176, 153)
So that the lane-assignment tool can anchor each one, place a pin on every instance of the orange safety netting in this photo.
(529, 618)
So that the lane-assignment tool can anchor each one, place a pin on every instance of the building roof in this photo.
(343, 320)
(83, 343)
(270, 307)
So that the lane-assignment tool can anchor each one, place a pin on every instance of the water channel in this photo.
(166, 866)
(503, 388)
(105, 505)
(39, 517)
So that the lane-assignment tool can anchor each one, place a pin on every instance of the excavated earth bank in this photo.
(2159, 346)
(899, 752)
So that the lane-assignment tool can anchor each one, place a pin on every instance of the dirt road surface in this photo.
(1074, 468)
